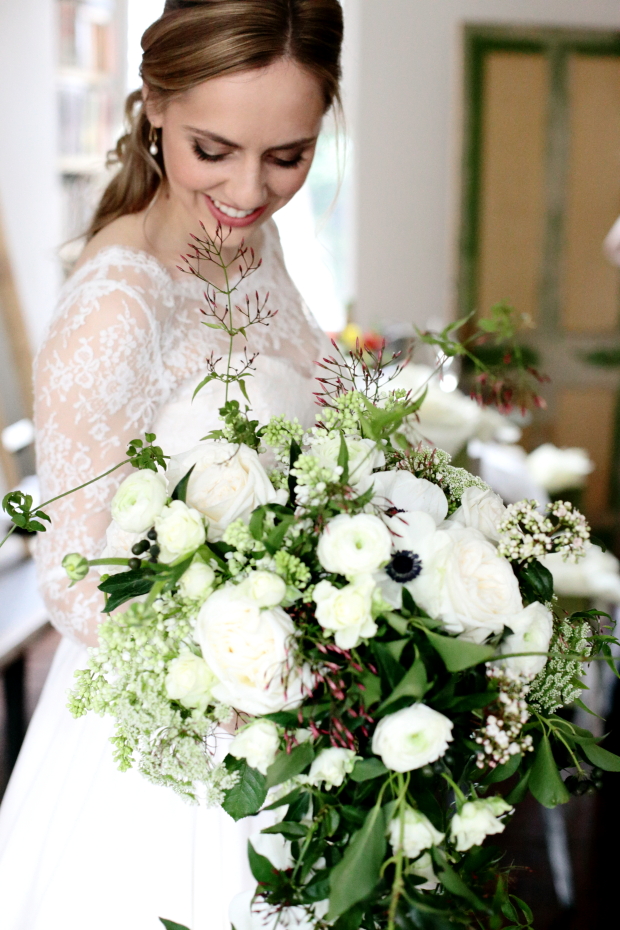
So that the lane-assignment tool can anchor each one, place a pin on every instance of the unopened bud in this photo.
(76, 566)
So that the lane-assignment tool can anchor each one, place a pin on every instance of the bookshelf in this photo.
(90, 94)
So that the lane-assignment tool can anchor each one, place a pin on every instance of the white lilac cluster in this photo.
(527, 534)
(278, 435)
(500, 737)
(558, 684)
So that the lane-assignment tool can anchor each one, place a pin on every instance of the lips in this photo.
(233, 221)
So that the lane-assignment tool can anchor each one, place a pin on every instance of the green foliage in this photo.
(171, 925)
(180, 491)
(357, 873)
(287, 765)
(545, 782)
(146, 455)
(18, 506)
(247, 796)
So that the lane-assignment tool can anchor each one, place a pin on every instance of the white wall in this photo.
(406, 126)
(29, 197)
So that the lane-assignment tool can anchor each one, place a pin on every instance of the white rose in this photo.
(266, 588)
(189, 680)
(532, 632)
(196, 581)
(118, 546)
(466, 585)
(364, 455)
(402, 490)
(227, 483)
(411, 737)
(258, 744)
(357, 545)
(331, 766)
(476, 820)
(424, 868)
(248, 650)
(418, 833)
(180, 529)
(139, 501)
(481, 509)
(346, 611)
(559, 469)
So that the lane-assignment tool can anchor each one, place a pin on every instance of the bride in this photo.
(223, 132)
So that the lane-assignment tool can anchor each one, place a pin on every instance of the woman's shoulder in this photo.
(125, 232)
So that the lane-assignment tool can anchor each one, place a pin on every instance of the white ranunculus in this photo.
(228, 482)
(532, 632)
(559, 470)
(596, 575)
(402, 490)
(358, 545)
(481, 509)
(196, 582)
(139, 501)
(347, 611)
(266, 588)
(189, 680)
(331, 766)
(248, 650)
(258, 744)
(466, 585)
(180, 530)
(476, 820)
(118, 546)
(411, 737)
(364, 455)
(418, 833)
(424, 868)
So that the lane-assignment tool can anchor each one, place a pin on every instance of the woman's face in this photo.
(236, 148)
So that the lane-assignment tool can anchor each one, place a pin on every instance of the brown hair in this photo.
(195, 40)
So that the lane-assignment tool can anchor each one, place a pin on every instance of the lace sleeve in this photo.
(98, 384)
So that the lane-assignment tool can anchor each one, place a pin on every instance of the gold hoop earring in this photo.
(153, 146)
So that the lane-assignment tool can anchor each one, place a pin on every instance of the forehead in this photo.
(272, 105)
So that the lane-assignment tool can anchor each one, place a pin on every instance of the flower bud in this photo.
(76, 566)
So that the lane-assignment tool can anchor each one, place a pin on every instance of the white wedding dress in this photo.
(82, 845)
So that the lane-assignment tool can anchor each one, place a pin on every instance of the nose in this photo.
(246, 188)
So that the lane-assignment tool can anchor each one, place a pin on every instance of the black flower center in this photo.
(404, 566)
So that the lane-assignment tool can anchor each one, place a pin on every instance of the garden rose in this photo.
(180, 529)
(139, 500)
(482, 509)
(532, 632)
(331, 766)
(258, 744)
(266, 588)
(476, 820)
(418, 833)
(228, 482)
(196, 582)
(411, 737)
(364, 455)
(358, 545)
(248, 651)
(404, 491)
(189, 680)
(346, 611)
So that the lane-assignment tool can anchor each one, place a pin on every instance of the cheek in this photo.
(286, 182)
(184, 170)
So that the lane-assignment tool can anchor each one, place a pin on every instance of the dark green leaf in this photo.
(257, 521)
(261, 868)
(287, 799)
(520, 789)
(502, 772)
(180, 491)
(246, 797)
(287, 765)
(365, 769)
(171, 925)
(294, 454)
(545, 782)
(602, 758)
(288, 829)
(389, 667)
(125, 585)
(414, 684)
(536, 580)
(204, 381)
(357, 873)
(452, 882)
(458, 654)
(244, 391)
(343, 459)
(372, 689)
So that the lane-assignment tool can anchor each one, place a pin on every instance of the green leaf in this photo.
(537, 581)
(356, 875)
(372, 689)
(287, 799)
(458, 654)
(602, 758)
(171, 925)
(261, 868)
(289, 830)
(365, 769)
(246, 797)
(520, 789)
(391, 670)
(343, 459)
(545, 782)
(180, 491)
(257, 521)
(125, 585)
(414, 684)
(502, 772)
(452, 882)
(241, 383)
(287, 765)
(204, 381)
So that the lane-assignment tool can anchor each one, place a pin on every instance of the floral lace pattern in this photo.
(121, 357)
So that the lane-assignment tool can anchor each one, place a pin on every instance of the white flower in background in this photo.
(196, 582)
(347, 611)
(481, 510)
(180, 529)
(424, 868)
(266, 588)
(596, 575)
(227, 483)
(139, 500)
(274, 847)
(404, 491)
(331, 766)
(248, 651)
(189, 680)
(476, 820)
(258, 744)
(532, 632)
(559, 470)
(358, 545)
(118, 546)
(411, 737)
(364, 455)
(418, 833)
(466, 585)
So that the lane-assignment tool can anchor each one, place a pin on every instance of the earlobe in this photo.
(152, 113)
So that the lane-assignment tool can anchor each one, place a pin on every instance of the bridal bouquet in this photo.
(379, 627)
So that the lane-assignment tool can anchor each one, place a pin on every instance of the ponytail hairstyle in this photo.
(196, 40)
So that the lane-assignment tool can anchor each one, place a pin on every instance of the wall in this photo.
(29, 201)
(405, 119)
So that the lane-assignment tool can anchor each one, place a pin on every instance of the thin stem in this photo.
(85, 485)
(12, 530)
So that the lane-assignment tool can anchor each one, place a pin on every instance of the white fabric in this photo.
(81, 844)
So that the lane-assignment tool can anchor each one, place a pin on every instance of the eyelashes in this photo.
(280, 162)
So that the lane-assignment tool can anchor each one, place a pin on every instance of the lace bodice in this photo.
(123, 354)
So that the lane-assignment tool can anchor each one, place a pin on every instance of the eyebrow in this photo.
(213, 137)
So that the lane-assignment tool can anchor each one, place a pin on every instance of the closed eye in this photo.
(205, 156)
